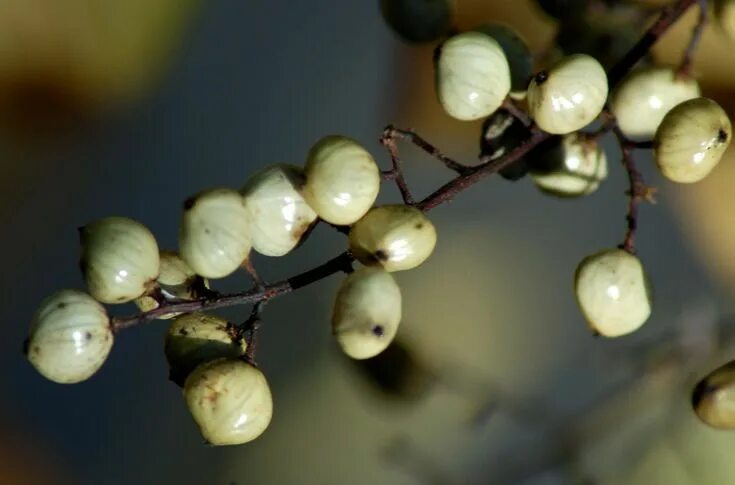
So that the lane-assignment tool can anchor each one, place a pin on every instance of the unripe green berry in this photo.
(230, 401)
(691, 140)
(646, 95)
(713, 398)
(280, 216)
(196, 338)
(119, 259)
(418, 20)
(516, 53)
(472, 76)
(571, 166)
(367, 312)
(396, 237)
(612, 292)
(569, 95)
(342, 180)
(70, 337)
(215, 235)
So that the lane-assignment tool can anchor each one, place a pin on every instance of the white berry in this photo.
(119, 259)
(516, 52)
(571, 167)
(396, 237)
(230, 401)
(280, 216)
(367, 312)
(196, 338)
(70, 337)
(342, 180)
(713, 398)
(691, 140)
(569, 95)
(175, 281)
(472, 76)
(215, 236)
(612, 291)
(646, 95)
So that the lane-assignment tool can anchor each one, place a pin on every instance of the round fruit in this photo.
(70, 337)
(713, 398)
(691, 140)
(612, 291)
(569, 95)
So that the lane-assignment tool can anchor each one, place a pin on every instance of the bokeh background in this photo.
(126, 108)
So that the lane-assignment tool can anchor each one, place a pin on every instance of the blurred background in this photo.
(126, 108)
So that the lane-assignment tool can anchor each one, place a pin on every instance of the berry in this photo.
(280, 216)
(501, 133)
(613, 293)
(367, 312)
(569, 95)
(472, 76)
(396, 237)
(713, 399)
(516, 52)
(691, 140)
(196, 338)
(342, 180)
(70, 337)
(215, 235)
(230, 401)
(119, 259)
(569, 166)
(645, 96)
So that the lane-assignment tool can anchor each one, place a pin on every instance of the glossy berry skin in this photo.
(342, 180)
(119, 259)
(175, 281)
(418, 21)
(395, 237)
(569, 95)
(196, 338)
(613, 293)
(472, 76)
(70, 337)
(646, 95)
(230, 401)
(215, 234)
(691, 140)
(280, 215)
(713, 399)
(501, 133)
(367, 312)
(516, 53)
(569, 166)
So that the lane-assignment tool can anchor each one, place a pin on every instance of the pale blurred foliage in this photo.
(61, 60)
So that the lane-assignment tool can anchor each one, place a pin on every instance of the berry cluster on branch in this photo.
(533, 124)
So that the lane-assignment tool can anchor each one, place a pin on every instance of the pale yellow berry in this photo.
(342, 180)
(646, 95)
(396, 237)
(571, 167)
(119, 259)
(569, 95)
(175, 281)
(280, 216)
(713, 398)
(725, 15)
(472, 76)
(691, 140)
(367, 312)
(613, 293)
(70, 337)
(196, 338)
(230, 401)
(215, 236)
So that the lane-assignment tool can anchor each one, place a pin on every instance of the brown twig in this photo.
(467, 176)
(396, 173)
(688, 58)
(391, 134)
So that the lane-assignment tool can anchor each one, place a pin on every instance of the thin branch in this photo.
(396, 173)
(467, 177)
(512, 108)
(637, 192)
(393, 133)
(688, 59)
